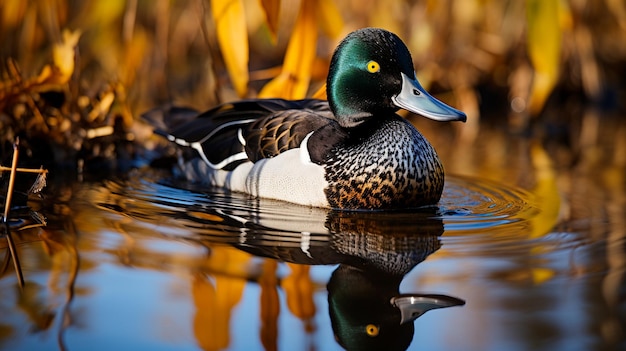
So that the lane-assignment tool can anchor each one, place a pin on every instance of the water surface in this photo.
(147, 263)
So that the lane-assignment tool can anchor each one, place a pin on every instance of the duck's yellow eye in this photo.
(373, 67)
(372, 330)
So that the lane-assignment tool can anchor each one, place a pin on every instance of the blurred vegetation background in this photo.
(76, 75)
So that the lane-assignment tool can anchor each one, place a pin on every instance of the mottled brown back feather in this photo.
(284, 130)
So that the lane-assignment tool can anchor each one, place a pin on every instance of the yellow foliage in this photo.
(63, 52)
(320, 93)
(293, 81)
(63, 60)
(232, 36)
(164, 51)
(272, 10)
(329, 18)
(544, 49)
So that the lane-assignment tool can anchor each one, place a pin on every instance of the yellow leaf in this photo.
(63, 55)
(272, 10)
(293, 81)
(544, 49)
(62, 66)
(329, 18)
(45, 75)
(276, 88)
(232, 36)
(320, 93)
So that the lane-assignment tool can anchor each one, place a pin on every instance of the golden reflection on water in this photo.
(214, 300)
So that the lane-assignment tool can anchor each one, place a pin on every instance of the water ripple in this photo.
(473, 215)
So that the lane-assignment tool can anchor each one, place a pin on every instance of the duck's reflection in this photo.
(366, 308)
(374, 251)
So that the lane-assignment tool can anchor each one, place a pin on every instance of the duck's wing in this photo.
(284, 130)
(252, 130)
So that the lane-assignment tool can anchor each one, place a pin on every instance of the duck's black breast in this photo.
(387, 164)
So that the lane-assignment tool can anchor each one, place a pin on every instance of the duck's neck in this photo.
(369, 126)
(352, 107)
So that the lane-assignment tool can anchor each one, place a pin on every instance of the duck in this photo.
(351, 151)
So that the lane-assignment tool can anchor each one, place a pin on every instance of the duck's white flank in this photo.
(290, 176)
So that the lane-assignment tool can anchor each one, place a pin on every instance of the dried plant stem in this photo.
(24, 170)
(7, 203)
(7, 206)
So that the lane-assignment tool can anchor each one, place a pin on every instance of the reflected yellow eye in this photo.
(373, 67)
(371, 329)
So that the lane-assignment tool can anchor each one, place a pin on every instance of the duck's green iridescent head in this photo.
(372, 73)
